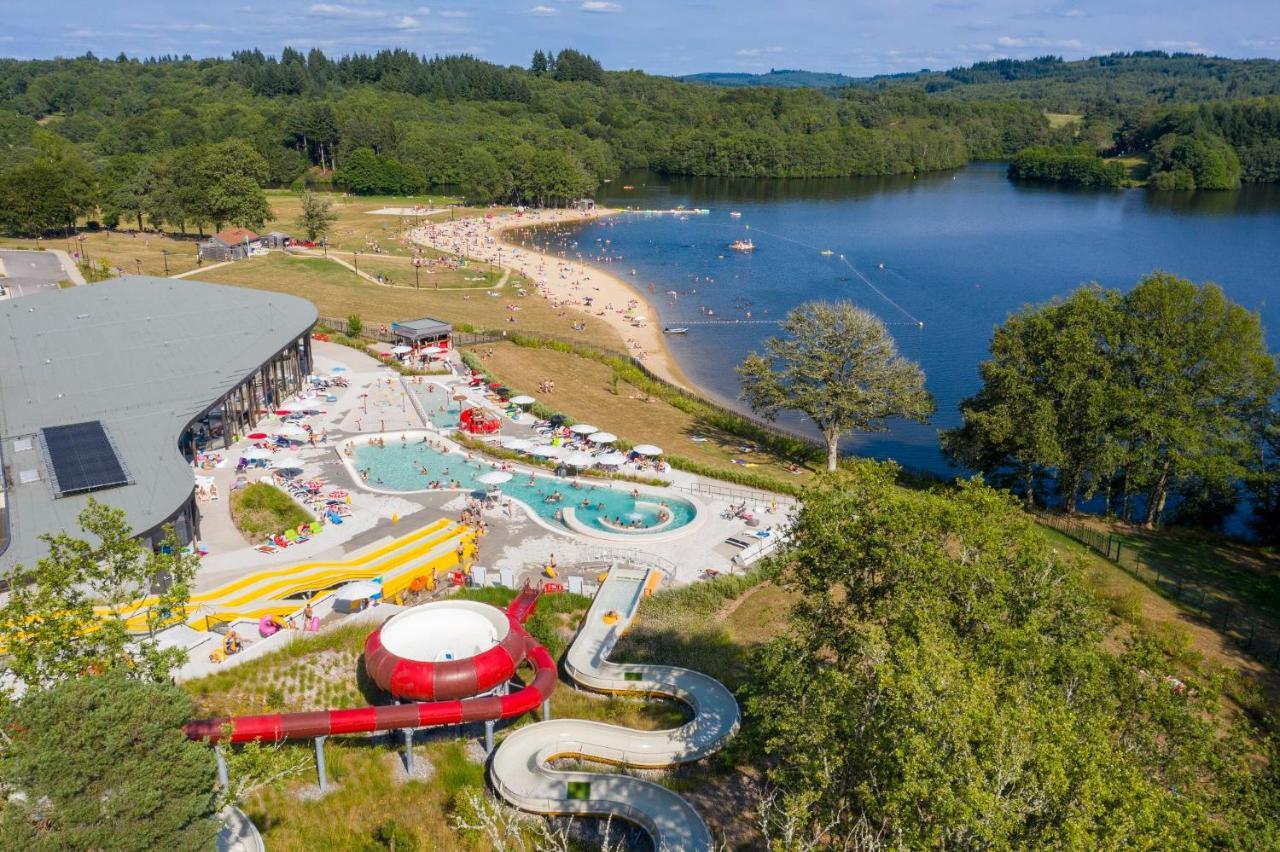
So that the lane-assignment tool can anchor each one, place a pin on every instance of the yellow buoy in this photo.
(395, 518)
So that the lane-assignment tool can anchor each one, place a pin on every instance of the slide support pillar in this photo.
(488, 736)
(320, 773)
(223, 781)
(408, 750)
(546, 710)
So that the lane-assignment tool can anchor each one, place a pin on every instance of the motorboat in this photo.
(742, 245)
(735, 214)
(675, 329)
(826, 252)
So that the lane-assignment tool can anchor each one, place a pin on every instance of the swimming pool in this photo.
(603, 507)
(436, 403)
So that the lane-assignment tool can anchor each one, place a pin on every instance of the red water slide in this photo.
(515, 648)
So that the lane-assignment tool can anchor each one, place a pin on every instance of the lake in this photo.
(960, 250)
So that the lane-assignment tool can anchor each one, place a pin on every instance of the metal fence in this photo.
(746, 495)
(1212, 605)
(374, 332)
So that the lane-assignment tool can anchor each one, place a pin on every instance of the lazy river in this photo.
(600, 506)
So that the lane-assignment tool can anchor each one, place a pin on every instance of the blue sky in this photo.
(660, 36)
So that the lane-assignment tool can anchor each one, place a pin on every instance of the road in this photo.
(27, 272)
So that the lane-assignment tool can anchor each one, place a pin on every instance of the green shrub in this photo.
(395, 837)
(262, 510)
(355, 325)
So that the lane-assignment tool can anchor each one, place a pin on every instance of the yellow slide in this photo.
(281, 591)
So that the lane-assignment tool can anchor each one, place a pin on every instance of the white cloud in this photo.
(1073, 13)
(600, 7)
(454, 13)
(1036, 41)
(543, 11)
(333, 10)
(422, 10)
(756, 51)
(405, 22)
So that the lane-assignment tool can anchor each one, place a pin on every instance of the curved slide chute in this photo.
(520, 772)
(418, 714)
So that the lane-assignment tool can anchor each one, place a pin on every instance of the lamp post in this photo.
(417, 265)
(164, 253)
(324, 243)
(138, 263)
(84, 254)
(355, 260)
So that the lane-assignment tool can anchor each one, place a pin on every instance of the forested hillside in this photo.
(180, 141)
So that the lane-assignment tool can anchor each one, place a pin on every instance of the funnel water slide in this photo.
(520, 772)
(407, 677)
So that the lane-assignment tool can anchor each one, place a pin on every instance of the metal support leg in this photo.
(223, 782)
(408, 750)
(488, 736)
(546, 710)
(320, 773)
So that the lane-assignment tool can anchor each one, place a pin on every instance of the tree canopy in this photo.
(101, 762)
(839, 366)
(1161, 390)
(943, 682)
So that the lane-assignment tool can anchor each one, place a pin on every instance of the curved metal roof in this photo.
(143, 355)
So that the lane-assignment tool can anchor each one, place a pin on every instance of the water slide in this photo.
(520, 771)
(282, 591)
(414, 714)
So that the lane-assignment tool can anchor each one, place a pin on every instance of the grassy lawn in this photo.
(358, 229)
(585, 391)
(399, 271)
(261, 510)
(338, 292)
(123, 251)
(1137, 168)
(1062, 119)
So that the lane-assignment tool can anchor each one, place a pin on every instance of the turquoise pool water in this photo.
(436, 404)
(399, 466)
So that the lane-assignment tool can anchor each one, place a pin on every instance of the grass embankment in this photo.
(620, 399)
(261, 510)
(369, 789)
(1137, 169)
(121, 250)
(338, 292)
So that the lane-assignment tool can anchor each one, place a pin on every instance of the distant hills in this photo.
(1115, 81)
(782, 79)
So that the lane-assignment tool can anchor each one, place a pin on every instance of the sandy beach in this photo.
(567, 283)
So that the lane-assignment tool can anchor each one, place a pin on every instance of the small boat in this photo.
(742, 245)
(826, 252)
(735, 214)
(675, 329)
(627, 186)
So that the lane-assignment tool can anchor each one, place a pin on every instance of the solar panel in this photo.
(82, 458)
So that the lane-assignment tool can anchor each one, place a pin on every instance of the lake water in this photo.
(960, 251)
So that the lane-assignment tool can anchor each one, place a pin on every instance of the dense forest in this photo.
(179, 140)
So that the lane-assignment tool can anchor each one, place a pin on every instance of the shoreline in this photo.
(563, 281)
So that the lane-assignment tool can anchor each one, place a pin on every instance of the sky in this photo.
(659, 36)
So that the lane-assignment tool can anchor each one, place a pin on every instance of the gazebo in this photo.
(422, 332)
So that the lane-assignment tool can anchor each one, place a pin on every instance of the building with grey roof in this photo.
(106, 389)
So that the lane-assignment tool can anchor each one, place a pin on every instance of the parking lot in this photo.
(25, 272)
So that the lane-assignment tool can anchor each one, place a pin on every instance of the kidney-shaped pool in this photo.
(614, 508)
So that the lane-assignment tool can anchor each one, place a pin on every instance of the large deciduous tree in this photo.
(838, 365)
(50, 626)
(101, 762)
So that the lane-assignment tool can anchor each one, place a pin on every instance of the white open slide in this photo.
(519, 769)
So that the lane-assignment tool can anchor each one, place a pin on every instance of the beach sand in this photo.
(566, 282)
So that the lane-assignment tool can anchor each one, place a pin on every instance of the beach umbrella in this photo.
(256, 436)
(283, 411)
(433, 350)
(602, 437)
(520, 445)
(401, 349)
(545, 451)
(611, 459)
(580, 459)
(494, 477)
(287, 462)
(460, 397)
(256, 453)
(523, 399)
(647, 450)
(583, 428)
